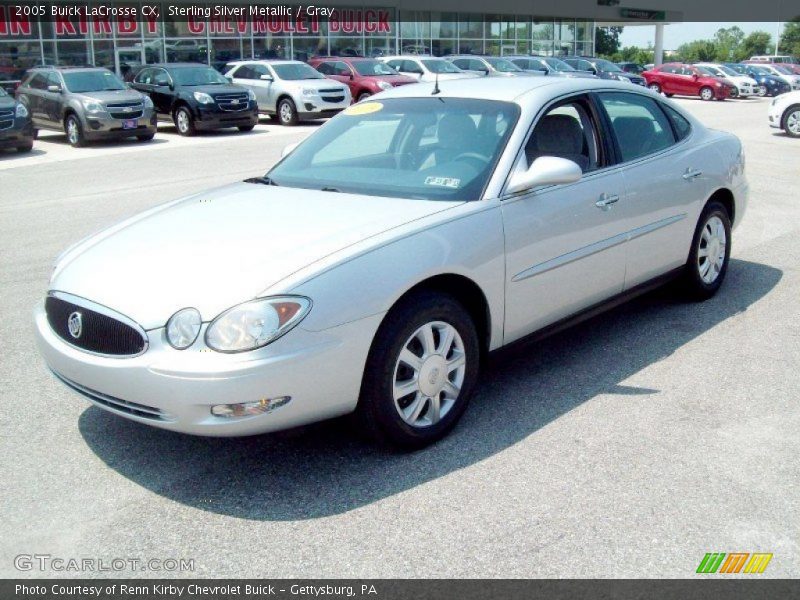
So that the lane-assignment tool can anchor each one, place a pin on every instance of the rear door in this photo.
(664, 182)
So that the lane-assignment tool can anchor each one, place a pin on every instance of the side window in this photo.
(462, 63)
(242, 72)
(258, 70)
(679, 123)
(341, 69)
(53, 79)
(411, 67)
(144, 76)
(38, 82)
(566, 131)
(395, 64)
(476, 65)
(160, 77)
(640, 126)
(325, 68)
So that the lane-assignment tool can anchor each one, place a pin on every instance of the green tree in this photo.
(728, 42)
(790, 38)
(699, 50)
(606, 40)
(756, 43)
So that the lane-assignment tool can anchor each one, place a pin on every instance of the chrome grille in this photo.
(100, 332)
(6, 118)
(126, 110)
(232, 102)
(117, 404)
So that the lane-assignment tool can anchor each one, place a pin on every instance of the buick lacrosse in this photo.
(376, 264)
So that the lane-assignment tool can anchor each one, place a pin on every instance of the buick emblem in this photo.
(75, 324)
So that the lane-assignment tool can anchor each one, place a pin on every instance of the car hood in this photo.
(317, 84)
(216, 249)
(394, 79)
(105, 97)
(449, 76)
(7, 102)
(578, 74)
(214, 89)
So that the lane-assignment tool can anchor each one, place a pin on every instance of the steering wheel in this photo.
(473, 156)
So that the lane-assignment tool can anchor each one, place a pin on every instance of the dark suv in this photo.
(86, 103)
(196, 97)
(604, 69)
(16, 129)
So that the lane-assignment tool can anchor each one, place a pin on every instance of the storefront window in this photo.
(470, 27)
(542, 48)
(270, 46)
(444, 25)
(224, 51)
(444, 47)
(187, 50)
(415, 24)
(347, 46)
(542, 30)
(376, 47)
(470, 47)
(16, 58)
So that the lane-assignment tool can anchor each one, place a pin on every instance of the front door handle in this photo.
(606, 200)
(691, 173)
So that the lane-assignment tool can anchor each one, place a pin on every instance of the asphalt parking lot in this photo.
(628, 446)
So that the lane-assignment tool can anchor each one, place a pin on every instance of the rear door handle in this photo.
(691, 173)
(606, 200)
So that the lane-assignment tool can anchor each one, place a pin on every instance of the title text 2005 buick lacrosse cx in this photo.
(376, 263)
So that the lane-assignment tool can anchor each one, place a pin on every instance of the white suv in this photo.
(290, 90)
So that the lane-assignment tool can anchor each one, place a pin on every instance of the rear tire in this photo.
(428, 348)
(710, 253)
(791, 121)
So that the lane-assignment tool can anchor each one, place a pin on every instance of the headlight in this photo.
(183, 328)
(22, 112)
(256, 323)
(93, 107)
(309, 91)
(718, 84)
(147, 102)
(251, 95)
(385, 85)
(203, 98)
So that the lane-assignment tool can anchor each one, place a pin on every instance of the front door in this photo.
(565, 244)
(250, 75)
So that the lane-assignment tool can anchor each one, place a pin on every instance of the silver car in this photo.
(373, 267)
(426, 68)
(489, 66)
(289, 89)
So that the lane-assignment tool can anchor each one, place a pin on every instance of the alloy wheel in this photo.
(429, 374)
(712, 249)
(655, 87)
(793, 122)
(286, 112)
(706, 93)
(73, 134)
(762, 91)
(183, 121)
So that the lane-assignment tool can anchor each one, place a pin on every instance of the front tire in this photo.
(74, 130)
(420, 373)
(146, 137)
(25, 148)
(710, 253)
(287, 112)
(762, 91)
(184, 122)
(791, 121)
(706, 93)
(246, 128)
(363, 96)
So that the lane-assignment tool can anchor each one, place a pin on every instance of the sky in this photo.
(680, 33)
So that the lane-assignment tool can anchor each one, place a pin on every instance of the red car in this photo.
(365, 76)
(686, 80)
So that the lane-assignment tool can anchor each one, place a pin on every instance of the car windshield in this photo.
(557, 65)
(295, 72)
(440, 66)
(79, 82)
(727, 70)
(373, 67)
(606, 66)
(782, 70)
(432, 148)
(3, 92)
(634, 68)
(760, 70)
(197, 76)
(503, 65)
(708, 71)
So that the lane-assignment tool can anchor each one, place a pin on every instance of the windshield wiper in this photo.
(262, 180)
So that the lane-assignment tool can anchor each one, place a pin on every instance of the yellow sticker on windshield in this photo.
(363, 108)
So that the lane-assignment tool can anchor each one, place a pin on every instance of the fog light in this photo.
(309, 106)
(249, 409)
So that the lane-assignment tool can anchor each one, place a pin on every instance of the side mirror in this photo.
(694, 76)
(545, 170)
(266, 77)
(287, 150)
(351, 76)
(56, 89)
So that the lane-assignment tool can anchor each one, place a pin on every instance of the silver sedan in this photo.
(372, 269)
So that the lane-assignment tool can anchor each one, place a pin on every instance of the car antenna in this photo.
(436, 89)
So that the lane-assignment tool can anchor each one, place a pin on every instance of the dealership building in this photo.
(123, 36)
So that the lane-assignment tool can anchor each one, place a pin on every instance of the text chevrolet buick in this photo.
(376, 264)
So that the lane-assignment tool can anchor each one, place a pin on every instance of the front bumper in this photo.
(18, 135)
(175, 390)
(774, 116)
(318, 107)
(211, 116)
(102, 125)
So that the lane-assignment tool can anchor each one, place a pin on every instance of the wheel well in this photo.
(468, 293)
(178, 104)
(725, 197)
(786, 113)
(67, 113)
(282, 97)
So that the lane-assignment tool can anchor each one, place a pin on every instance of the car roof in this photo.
(512, 89)
(411, 57)
(176, 65)
(266, 61)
